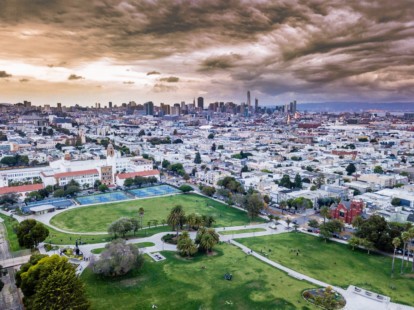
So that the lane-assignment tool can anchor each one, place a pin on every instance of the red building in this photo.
(346, 211)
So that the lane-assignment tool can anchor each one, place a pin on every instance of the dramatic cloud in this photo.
(171, 79)
(75, 77)
(4, 74)
(309, 50)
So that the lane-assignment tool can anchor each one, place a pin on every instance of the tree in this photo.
(405, 236)
(51, 283)
(210, 136)
(118, 259)
(354, 242)
(141, 133)
(197, 159)
(185, 188)
(3, 272)
(313, 223)
(245, 169)
(8, 199)
(129, 182)
(208, 190)
(165, 163)
(176, 218)
(59, 192)
(30, 233)
(283, 205)
(396, 243)
(350, 169)
(325, 213)
(213, 147)
(97, 183)
(185, 245)
(297, 183)
(103, 188)
(285, 181)
(357, 221)
(320, 180)
(254, 205)
(122, 226)
(378, 169)
(207, 238)
(288, 221)
(396, 201)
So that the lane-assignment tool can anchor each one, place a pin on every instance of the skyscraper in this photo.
(149, 108)
(200, 103)
(110, 104)
(248, 100)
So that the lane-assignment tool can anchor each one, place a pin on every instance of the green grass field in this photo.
(11, 236)
(59, 238)
(241, 231)
(336, 264)
(177, 283)
(97, 218)
(139, 245)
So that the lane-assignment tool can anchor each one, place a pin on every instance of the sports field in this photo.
(97, 218)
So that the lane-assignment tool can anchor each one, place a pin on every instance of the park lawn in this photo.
(61, 238)
(139, 245)
(98, 217)
(178, 283)
(336, 263)
(11, 235)
(241, 231)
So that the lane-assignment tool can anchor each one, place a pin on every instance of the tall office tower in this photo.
(110, 104)
(59, 106)
(176, 110)
(292, 107)
(256, 105)
(200, 103)
(243, 108)
(248, 100)
(149, 108)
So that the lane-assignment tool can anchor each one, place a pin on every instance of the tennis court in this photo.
(154, 191)
(108, 197)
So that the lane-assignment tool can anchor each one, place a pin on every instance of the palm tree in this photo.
(283, 205)
(141, 213)
(207, 238)
(396, 243)
(149, 224)
(411, 233)
(191, 220)
(175, 218)
(288, 221)
(185, 245)
(155, 222)
(325, 213)
(405, 236)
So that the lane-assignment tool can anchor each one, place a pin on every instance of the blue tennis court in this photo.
(154, 191)
(108, 197)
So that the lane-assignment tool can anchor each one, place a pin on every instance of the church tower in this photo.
(110, 151)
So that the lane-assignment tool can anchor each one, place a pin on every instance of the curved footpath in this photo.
(353, 301)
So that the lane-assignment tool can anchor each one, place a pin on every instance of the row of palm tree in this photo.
(177, 219)
(407, 237)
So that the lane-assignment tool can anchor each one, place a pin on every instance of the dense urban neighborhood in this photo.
(101, 192)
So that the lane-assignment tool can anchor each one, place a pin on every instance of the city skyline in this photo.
(169, 51)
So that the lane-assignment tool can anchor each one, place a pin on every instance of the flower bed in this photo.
(325, 298)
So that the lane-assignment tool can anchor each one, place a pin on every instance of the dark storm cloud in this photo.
(170, 79)
(4, 74)
(222, 62)
(274, 47)
(75, 77)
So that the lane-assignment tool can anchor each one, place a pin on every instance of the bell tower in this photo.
(110, 152)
